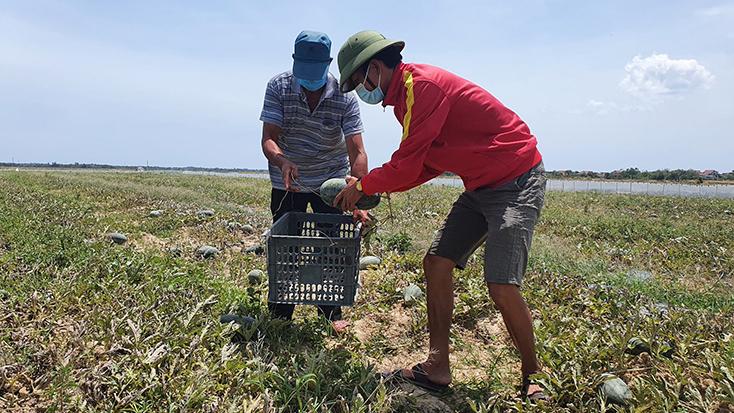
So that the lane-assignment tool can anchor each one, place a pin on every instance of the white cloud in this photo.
(600, 107)
(658, 76)
(717, 11)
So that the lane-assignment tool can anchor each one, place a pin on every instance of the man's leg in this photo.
(282, 202)
(440, 303)
(511, 213)
(462, 233)
(519, 322)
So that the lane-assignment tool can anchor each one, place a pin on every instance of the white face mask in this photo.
(373, 96)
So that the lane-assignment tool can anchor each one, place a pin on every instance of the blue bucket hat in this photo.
(311, 57)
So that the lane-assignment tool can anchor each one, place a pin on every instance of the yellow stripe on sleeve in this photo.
(409, 99)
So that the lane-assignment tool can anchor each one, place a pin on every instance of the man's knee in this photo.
(433, 264)
(503, 295)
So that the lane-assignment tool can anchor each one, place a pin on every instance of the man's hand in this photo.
(290, 172)
(361, 216)
(347, 199)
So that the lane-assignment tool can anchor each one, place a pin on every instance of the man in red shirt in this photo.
(453, 125)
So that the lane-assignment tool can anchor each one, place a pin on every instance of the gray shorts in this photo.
(502, 218)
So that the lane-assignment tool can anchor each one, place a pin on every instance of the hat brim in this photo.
(310, 70)
(345, 81)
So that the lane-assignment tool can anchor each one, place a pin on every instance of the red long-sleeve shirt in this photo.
(451, 125)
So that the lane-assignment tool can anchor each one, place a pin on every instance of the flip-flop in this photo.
(340, 326)
(538, 395)
(420, 379)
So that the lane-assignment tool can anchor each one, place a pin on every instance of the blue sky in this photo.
(603, 85)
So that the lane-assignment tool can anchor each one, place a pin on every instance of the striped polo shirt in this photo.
(315, 142)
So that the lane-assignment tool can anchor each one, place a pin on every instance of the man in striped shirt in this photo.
(311, 132)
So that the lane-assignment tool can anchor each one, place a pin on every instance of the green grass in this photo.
(90, 326)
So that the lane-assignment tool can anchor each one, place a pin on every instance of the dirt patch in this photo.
(492, 331)
(482, 353)
(393, 325)
(148, 241)
(364, 329)
(476, 359)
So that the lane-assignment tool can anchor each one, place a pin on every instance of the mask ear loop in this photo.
(367, 79)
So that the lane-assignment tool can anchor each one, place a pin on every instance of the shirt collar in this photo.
(395, 87)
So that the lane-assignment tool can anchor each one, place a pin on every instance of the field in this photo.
(88, 325)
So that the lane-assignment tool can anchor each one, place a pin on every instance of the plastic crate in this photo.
(313, 259)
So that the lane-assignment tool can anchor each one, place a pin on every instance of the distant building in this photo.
(709, 174)
(141, 169)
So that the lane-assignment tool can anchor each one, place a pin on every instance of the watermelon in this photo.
(255, 277)
(369, 261)
(205, 213)
(616, 391)
(207, 251)
(117, 238)
(412, 293)
(242, 321)
(331, 188)
(636, 346)
(255, 249)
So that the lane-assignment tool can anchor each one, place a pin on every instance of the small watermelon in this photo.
(368, 261)
(207, 251)
(412, 293)
(616, 391)
(117, 238)
(255, 277)
(255, 249)
(331, 188)
(637, 346)
(205, 213)
(242, 321)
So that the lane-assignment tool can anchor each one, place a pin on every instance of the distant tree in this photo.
(630, 173)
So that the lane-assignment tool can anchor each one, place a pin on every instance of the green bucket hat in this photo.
(358, 50)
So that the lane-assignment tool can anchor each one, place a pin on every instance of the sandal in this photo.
(420, 379)
(537, 395)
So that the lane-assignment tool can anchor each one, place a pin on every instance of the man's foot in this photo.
(532, 391)
(340, 326)
(418, 376)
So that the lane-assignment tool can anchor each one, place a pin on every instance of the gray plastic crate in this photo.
(313, 259)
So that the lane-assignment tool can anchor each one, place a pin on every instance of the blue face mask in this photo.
(313, 85)
(373, 96)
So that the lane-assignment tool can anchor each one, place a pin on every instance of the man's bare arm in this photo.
(275, 155)
(357, 155)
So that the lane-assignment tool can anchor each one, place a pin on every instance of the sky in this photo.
(603, 85)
